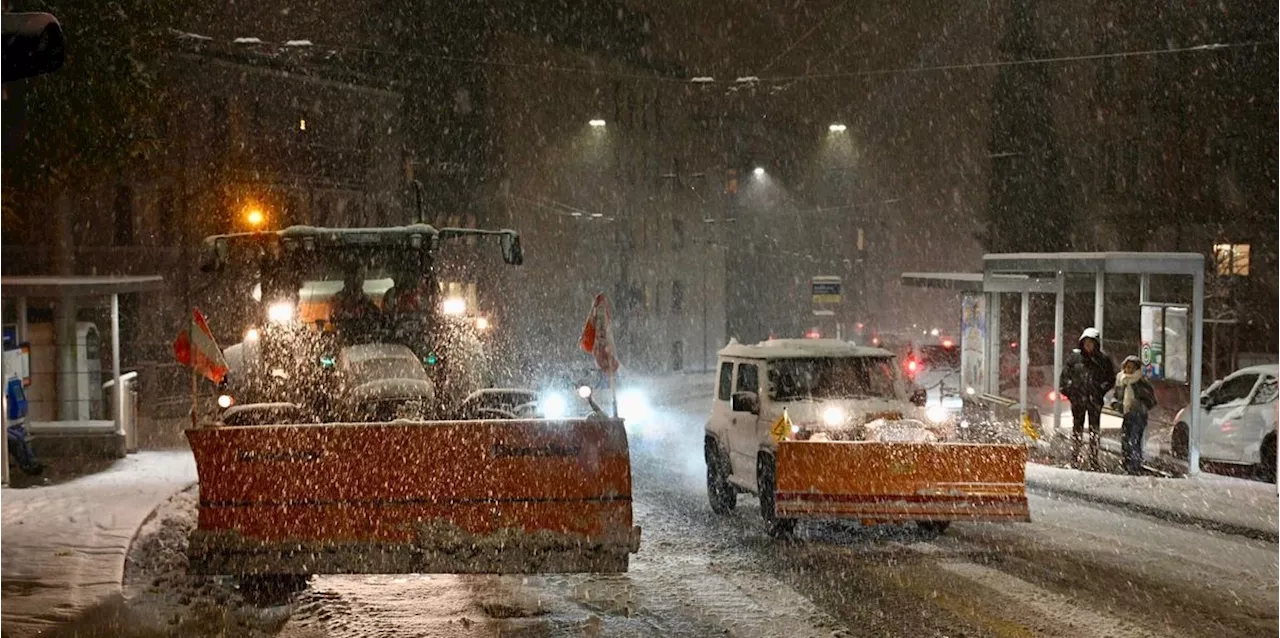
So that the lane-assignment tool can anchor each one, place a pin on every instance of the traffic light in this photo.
(33, 45)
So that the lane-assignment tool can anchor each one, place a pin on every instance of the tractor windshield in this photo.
(832, 378)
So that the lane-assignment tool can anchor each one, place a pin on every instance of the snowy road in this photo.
(1078, 570)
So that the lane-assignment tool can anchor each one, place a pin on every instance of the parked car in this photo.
(1237, 421)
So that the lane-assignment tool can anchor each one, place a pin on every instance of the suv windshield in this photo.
(832, 378)
(382, 368)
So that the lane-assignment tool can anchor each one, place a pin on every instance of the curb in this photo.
(1182, 518)
(133, 538)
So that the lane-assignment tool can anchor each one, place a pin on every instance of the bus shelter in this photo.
(1025, 274)
(66, 292)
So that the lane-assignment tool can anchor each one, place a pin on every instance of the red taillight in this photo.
(1052, 394)
(913, 365)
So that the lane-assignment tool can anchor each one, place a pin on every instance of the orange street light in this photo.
(255, 217)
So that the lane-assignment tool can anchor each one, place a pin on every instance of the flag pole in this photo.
(195, 390)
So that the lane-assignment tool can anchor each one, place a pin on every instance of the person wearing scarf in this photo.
(1136, 397)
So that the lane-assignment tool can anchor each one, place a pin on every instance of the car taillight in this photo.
(913, 365)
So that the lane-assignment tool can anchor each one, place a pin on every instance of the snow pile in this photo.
(161, 594)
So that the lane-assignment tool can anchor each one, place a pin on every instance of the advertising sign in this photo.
(1176, 344)
(973, 339)
(1152, 327)
(1165, 345)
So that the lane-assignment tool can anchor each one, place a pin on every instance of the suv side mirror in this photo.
(919, 397)
(746, 402)
(33, 45)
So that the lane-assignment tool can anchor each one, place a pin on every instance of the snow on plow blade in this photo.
(405, 497)
(901, 481)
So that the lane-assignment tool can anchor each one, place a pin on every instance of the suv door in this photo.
(1222, 438)
(743, 441)
(721, 414)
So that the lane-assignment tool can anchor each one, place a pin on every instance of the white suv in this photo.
(831, 390)
(1237, 421)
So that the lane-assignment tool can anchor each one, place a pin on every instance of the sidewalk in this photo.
(1156, 441)
(1231, 505)
(64, 546)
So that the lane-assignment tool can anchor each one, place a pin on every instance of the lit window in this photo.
(1232, 259)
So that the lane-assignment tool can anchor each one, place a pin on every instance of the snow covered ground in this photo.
(1220, 500)
(64, 545)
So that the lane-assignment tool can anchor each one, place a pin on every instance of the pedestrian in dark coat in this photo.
(1135, 397)
(1086, 379)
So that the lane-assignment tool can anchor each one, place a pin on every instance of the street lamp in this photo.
(254, 217)
(758, 171)
(837, 128)
(596, 123)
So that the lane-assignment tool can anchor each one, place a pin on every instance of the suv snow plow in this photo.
(405, 497)
(901, 481)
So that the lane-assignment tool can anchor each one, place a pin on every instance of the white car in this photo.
(1237, 421)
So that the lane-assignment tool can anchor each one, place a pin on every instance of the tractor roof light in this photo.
(281, 312)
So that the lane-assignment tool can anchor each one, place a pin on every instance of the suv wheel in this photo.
(767, 482)
(722, 495)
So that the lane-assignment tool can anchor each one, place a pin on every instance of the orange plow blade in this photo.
(403, 497)
(901, 481)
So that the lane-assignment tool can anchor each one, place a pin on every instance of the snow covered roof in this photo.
(84, 286)
(800, 349)
(1111, 262)
(1266, 368)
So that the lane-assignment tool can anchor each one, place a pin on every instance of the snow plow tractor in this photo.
(344, 441)
(823, 429)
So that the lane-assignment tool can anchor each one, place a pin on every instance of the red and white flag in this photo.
(597, 340)
(196, 348)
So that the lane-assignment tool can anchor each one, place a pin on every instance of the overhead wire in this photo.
(965, 66)
(823, 21)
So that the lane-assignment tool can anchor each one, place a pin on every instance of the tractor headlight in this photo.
(225, 401)
(937, 413)
(833, 416)
(280, 312)
(633, 405)
(554, 406)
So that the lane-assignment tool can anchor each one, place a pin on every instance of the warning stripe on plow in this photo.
(901, 481)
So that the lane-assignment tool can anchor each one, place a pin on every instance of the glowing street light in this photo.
(596, 123)
(482, 324)
(758, 171)
(837, 128)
